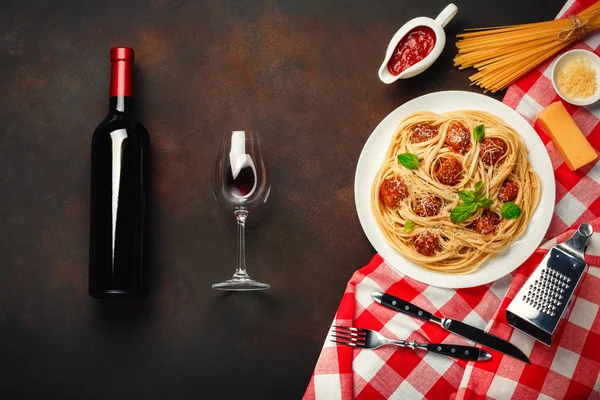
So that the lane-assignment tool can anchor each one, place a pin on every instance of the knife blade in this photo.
(459, 328)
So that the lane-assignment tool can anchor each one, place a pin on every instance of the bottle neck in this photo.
(121, 87)
(121, 105)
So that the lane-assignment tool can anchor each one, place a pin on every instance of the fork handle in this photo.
(462, 352)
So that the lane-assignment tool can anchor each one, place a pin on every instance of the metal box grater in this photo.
(545, 298)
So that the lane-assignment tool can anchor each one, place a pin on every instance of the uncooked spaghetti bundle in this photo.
(504, 54)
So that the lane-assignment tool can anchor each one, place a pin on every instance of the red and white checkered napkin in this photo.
(569, 369)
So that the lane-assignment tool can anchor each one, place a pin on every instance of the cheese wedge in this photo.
(567, 137)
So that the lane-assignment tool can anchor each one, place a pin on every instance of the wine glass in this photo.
(240, 183)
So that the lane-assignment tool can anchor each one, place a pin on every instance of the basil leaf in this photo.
(462, 212)
(479, 197)
(510, 210)
(409, 226)
(479, 133)
(467, 196)
(408, 160)
(485, 202)
(478, 186)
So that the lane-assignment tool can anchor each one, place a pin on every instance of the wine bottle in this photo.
(120, 146)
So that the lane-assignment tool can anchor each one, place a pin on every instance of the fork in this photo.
(369, 339)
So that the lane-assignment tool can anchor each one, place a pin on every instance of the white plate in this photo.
(506, 261)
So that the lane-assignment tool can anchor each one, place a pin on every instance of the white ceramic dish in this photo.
(437, 25)
(372, 156)
(561, 63)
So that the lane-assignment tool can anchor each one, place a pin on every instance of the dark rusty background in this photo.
(303, 74)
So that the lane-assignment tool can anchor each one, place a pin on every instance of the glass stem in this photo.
(241, 215)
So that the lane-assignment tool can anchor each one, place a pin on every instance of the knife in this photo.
(451, 325)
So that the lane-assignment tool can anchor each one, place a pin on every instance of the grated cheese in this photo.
(578, 79)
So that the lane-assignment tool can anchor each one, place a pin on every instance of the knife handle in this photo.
(452, 350)
(405, 307)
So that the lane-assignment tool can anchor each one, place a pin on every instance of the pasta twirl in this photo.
(458, 247)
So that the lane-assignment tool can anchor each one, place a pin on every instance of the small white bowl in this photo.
(561, 63)
(437, 25)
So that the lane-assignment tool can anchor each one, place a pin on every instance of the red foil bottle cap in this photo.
(121, 60)
(122, 54)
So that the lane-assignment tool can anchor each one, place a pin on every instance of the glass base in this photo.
(240, 284)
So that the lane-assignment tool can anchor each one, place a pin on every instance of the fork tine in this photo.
(349, 333)
(342, 342)
(348, 343)
(350, 328)
(345, 337)
(345, 327)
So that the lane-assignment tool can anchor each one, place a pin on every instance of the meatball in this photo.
(427, 243)
(487, 223)
(393, 191)
(448, 171)
(423, 132)
(508, 191)
(458, 138)
(428, 206)
(492, 150)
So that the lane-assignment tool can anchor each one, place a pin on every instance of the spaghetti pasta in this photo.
(413, 207)
(504, 54)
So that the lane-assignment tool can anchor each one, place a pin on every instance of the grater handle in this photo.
(578, 243)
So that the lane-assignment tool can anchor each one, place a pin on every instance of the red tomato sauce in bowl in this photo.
(414, 47)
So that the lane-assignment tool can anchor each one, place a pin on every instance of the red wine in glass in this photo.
(243, 183)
